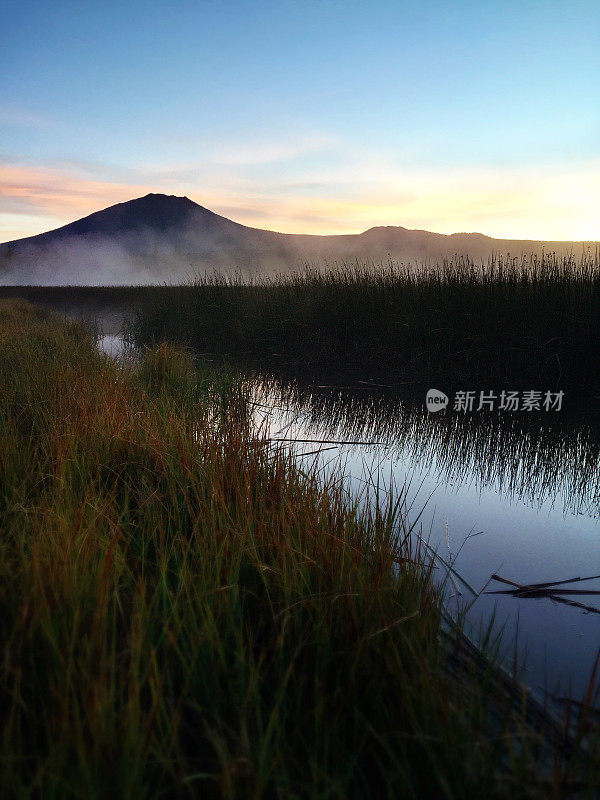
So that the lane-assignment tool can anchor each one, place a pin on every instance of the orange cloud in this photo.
(551, 202)
(59, 191)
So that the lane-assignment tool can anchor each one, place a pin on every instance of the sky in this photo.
(306, 117)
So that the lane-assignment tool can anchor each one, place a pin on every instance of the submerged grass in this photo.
(509, 324)
(186, 612)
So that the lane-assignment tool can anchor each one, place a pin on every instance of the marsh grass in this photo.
(187, 612)
(508, 324)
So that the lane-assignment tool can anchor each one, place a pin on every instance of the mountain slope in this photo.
(161, 237)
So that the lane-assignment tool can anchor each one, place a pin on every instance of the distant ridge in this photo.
(161, 237)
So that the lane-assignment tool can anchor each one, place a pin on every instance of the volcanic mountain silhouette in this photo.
(161, 237)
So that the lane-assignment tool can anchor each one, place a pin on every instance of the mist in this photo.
(165, 239)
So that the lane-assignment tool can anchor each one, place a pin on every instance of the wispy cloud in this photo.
(24, 118)
(360, 191)
(268, 152)
(54, 196)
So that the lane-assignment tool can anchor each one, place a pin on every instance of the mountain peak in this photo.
(153, 211)
(161, 197)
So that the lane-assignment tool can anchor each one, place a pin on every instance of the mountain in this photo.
(160, 238)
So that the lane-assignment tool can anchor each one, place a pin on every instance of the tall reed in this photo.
(508, 324)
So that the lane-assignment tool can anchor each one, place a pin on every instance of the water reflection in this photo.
(117, 347)
(537, 457)
(527, 485)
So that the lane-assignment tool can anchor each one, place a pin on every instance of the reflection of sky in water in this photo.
(112, 344)
(115, 346)
(527, 536)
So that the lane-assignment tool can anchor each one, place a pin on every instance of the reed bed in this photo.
(508, 324)
(186, 612)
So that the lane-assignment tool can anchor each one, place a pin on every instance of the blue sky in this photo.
(322, 117)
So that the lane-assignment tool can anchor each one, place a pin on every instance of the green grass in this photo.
(187, 612)
(506, 325)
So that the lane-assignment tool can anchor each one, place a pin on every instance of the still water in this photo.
(513, 494)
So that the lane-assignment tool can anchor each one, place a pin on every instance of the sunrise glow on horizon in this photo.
(321, 117)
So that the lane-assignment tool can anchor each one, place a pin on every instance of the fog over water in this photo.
(163, 238)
